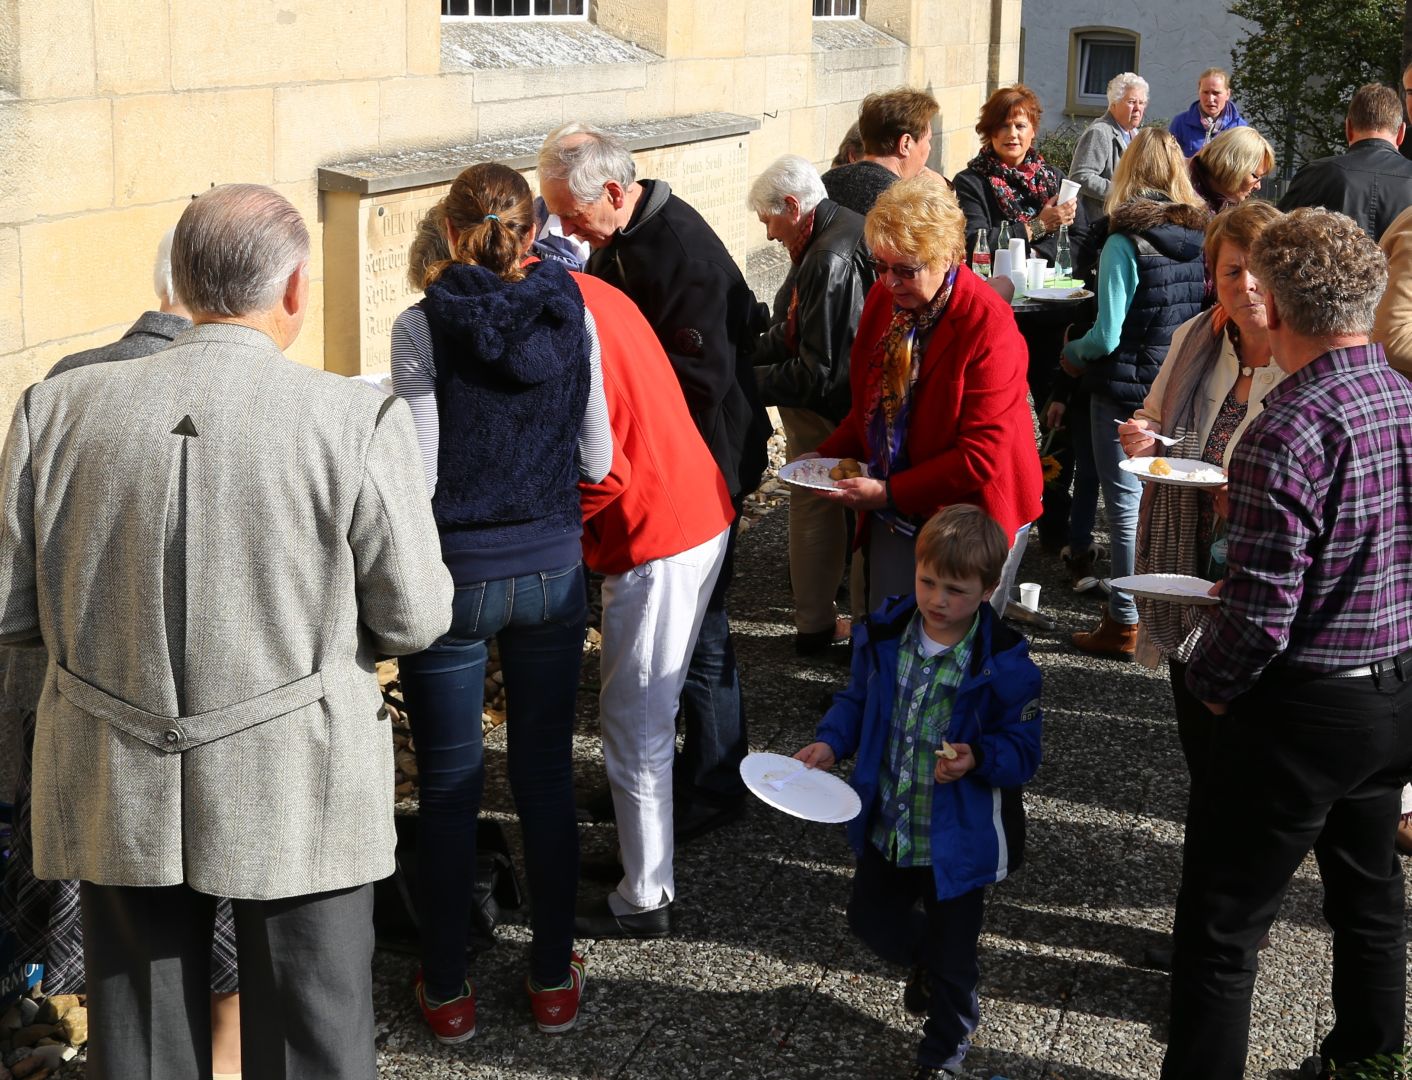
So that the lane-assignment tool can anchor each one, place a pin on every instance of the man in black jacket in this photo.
(1372, 182)
(663, 254)
(802, 367)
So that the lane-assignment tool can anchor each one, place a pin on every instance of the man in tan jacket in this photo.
(215, 543)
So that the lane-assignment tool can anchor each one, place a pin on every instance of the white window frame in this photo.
(1082, 36)
(518, 18)
(857, 13)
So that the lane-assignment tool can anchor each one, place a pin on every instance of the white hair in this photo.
(162, 283)
(593, 158)
(790, 175)
(1119, 85)
(235, 248)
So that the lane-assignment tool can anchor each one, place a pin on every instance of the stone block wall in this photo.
(112, 116)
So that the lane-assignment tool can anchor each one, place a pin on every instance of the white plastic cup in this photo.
(1034, 273)
(1029, 595)
(1068, 191)
(1001, 266)
(1017, 253)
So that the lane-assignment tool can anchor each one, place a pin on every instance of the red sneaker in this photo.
(452, 1021)
(557, 1009)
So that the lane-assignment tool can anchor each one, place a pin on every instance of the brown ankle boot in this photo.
(1112, 638)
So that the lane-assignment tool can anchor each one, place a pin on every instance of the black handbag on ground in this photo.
(495, 895)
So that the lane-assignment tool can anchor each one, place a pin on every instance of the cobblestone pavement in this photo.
(762, 978)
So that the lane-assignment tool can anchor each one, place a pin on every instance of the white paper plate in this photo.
(814, 473)
(1186, 472)
(1173, 588)
(789, 785)
(1058, 294)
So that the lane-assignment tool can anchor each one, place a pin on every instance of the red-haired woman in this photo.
(1009, 181)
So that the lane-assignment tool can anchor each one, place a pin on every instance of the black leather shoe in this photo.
(596, 920)
(917, 994)
(1158, 957)
(690, 820)
(817, 642)
(609, 870)
(597, 808)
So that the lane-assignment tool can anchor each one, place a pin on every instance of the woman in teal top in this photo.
(1151, 279)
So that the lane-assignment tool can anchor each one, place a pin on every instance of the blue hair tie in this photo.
(491, 217)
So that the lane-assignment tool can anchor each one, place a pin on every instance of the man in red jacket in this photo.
(656, 526)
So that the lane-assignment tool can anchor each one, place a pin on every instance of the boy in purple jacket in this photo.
(942, 710)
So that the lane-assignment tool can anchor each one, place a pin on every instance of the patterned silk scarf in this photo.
(1021, 190)
(889, 411)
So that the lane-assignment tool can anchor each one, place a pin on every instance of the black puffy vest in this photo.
(1171, 288)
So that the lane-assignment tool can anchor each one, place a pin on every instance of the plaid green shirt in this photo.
(921, 713)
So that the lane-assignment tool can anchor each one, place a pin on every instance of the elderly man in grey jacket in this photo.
(215, 544)
(1097, 152)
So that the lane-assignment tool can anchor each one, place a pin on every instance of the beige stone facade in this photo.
(113, 115)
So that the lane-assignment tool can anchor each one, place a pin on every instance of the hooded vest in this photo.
(512, 376)
(1171, 288)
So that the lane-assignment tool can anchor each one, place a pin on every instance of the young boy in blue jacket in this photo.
(942, 710)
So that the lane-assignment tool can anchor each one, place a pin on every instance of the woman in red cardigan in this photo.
(939, 405)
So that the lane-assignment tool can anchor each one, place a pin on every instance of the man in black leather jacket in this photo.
(802, 367)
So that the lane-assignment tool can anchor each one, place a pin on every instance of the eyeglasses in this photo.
(904, 273)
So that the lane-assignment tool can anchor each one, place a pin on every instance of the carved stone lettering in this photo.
(711, 176)
(390, 224)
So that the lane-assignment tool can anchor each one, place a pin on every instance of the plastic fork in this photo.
(1165, 440)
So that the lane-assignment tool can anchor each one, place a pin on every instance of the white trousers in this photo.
(651, 616)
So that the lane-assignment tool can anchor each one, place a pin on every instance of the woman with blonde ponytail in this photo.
(499, 362)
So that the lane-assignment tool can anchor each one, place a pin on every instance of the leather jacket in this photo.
(832, 278)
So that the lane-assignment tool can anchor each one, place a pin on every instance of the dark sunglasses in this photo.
(905, 273)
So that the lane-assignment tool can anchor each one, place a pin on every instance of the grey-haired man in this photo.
(214, 544)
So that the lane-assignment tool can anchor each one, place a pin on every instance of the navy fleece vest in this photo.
(512, 376)
(1171, 288)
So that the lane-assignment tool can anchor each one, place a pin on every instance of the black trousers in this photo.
(1295, 765)
(306, 992)
(895, 912)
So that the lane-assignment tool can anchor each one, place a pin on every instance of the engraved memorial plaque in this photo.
(371, 221)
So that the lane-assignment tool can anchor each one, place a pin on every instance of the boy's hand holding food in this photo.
(953, 761)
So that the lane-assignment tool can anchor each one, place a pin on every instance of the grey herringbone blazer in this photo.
(214, 543)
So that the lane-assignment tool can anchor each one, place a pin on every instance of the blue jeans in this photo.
(713, 713)
(1122, 491)
(942, 937)
(538, 620)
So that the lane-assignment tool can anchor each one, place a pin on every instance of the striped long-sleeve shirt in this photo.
(1320, 545)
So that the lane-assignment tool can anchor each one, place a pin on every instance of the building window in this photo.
(524, 9)
(1096, 54)
(835, 9)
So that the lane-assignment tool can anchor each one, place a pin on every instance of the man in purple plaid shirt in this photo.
(1309, 660)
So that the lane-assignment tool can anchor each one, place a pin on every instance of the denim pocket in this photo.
(565, 595)
(467, 609)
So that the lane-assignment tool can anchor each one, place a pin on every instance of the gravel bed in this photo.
(762, 979)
